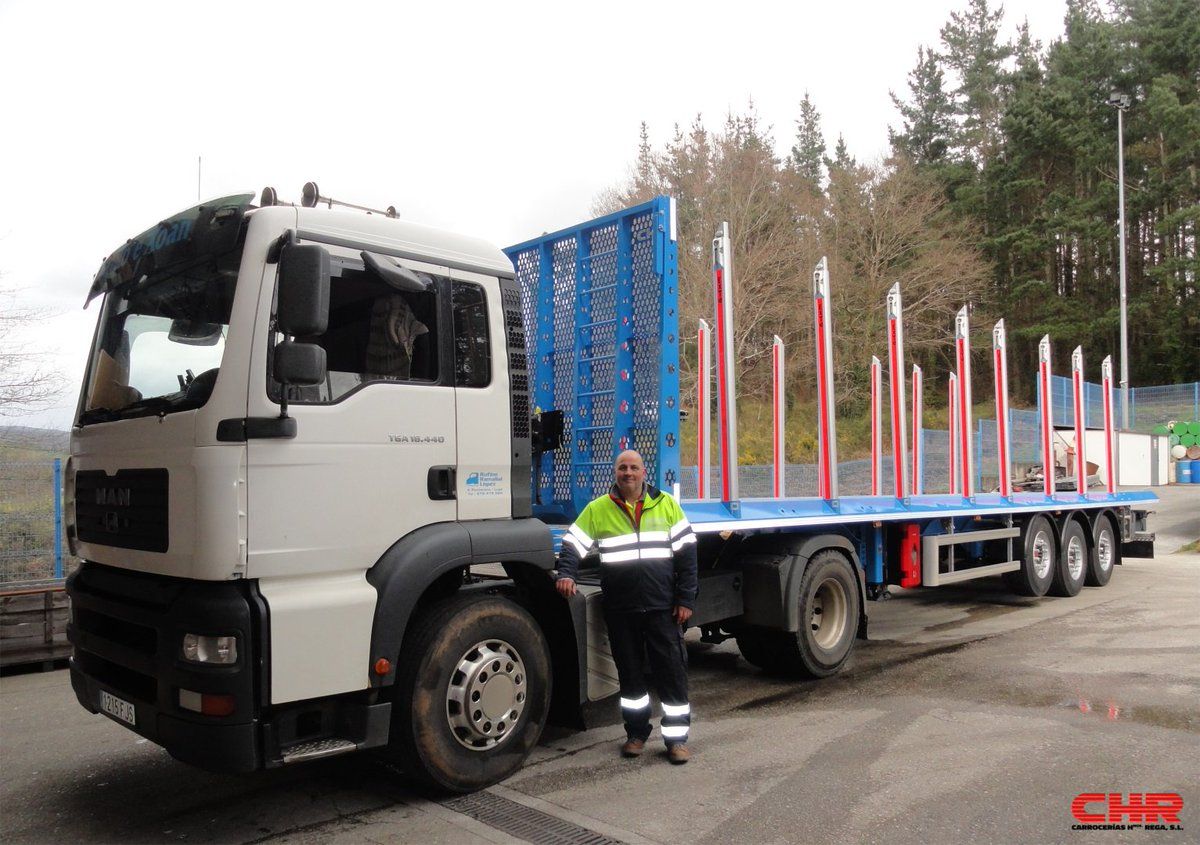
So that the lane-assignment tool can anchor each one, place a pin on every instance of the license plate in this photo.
(118, 708)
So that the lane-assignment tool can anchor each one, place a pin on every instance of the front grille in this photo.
(135, 637)
(122, 680)
(127, 510)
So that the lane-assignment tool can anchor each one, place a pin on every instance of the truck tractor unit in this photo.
(323, 458)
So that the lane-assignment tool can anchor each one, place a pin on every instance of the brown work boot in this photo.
(678, 754)
(633, 747)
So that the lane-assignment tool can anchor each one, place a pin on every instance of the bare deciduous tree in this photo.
(27, 384)
(877, 225)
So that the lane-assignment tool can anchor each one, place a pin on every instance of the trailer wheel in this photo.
(472, 693)
(1072, 567)
(1105, 554)
(1038, 561)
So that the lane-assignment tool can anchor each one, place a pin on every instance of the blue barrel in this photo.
(1196, 472)
(1184, 473)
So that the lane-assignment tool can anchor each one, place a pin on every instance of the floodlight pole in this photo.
(1121, 102)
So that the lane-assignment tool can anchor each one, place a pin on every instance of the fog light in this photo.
(206, 703)
(220, 650)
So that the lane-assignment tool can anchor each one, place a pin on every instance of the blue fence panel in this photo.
(600, 304)
(1148, 406)
(31, 521)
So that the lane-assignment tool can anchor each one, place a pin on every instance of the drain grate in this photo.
(524, 823)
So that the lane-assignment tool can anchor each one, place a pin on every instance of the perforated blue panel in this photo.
(601, 318)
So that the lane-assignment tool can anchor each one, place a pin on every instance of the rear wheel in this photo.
(1072, 566)
(472, 693)
(1105, 554)
(829, 616)
(1038, 561)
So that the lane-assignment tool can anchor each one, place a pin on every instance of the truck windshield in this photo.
(160, 340)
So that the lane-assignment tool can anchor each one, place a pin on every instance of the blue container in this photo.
(1184, 472)
(1196, 472)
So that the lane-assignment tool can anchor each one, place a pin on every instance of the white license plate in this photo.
(118, 708)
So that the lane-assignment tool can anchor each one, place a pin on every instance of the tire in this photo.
(829, 617)
(1072, 567)
(1038, 559)
(1105, 553)
(486, 651)
(761, 646)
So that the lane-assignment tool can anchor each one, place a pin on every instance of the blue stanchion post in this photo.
(58, 519)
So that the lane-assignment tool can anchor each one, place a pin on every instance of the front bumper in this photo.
(127, 630)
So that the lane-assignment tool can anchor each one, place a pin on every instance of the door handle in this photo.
(442, 483)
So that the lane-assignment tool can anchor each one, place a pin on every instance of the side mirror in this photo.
(303, 290)
(299, 363)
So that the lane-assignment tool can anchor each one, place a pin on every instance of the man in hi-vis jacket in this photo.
(648, 575)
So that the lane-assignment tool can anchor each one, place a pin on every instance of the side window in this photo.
(375, 333)
(472, 354)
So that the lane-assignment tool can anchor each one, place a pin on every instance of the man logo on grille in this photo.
(114, 496)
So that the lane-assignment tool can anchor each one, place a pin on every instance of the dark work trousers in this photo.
(653, 634)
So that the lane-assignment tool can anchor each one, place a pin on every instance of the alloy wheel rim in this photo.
(1104, 551)
(1043, 555)
(1075, 558)
(486, 695)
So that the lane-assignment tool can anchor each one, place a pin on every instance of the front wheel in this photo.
(472, 693)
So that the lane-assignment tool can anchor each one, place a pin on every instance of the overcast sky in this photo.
(501, 120)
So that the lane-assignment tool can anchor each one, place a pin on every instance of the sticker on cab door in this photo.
(485, 485)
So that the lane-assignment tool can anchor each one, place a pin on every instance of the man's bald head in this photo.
(630, 473)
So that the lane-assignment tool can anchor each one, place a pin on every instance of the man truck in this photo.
(322, 460)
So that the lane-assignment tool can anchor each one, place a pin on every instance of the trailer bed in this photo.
(811, 512)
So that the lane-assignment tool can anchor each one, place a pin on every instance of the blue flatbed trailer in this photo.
(601, 311)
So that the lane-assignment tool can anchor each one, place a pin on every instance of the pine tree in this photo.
(808, 152)
(928, 116)
(972, 49)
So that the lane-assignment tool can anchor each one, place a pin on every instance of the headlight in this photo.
(220, 650)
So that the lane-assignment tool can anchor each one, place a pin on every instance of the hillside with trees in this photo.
(1000, 191)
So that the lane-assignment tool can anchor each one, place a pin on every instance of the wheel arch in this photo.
(428, 564)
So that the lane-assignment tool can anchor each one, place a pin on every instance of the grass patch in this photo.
(1192, 547)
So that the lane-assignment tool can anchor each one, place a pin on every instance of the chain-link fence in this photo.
(1158, 405)
(1148, 406)
(854, 477)
(31, 543)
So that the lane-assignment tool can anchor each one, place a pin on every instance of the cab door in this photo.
(483, 403)
(375, 447)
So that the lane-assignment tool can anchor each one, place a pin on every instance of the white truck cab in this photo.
(298, 430)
